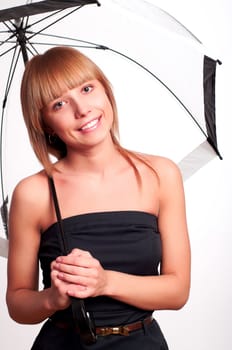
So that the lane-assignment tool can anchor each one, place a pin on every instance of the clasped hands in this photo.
(78, 275)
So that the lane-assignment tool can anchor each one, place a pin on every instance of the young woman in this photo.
(123, 214)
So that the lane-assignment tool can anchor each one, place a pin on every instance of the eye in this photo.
(87, 88)
(58, 105)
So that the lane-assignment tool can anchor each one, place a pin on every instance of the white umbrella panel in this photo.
(162, 75)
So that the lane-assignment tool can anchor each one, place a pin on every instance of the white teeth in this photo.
(90, 124)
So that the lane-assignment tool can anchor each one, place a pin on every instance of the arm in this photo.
(25, 303)
(170, 290)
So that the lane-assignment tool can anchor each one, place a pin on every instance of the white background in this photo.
(205, 322)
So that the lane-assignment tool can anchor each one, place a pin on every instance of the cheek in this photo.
(109, 110)
(56, 121)
(102, 103)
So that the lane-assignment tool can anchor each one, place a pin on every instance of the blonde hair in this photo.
(45, 78)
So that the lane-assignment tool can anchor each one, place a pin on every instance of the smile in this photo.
(91, 125)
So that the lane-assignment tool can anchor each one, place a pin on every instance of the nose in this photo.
(81, 109)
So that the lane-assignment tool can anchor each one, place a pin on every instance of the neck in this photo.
(96, 160)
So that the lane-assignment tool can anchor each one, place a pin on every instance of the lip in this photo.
(91, 127)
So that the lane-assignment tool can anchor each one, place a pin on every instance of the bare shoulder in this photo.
(30, 203)
(166, 169)
(31, 190)
(171, 188)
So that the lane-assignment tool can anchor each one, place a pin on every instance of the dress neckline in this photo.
(95, 214)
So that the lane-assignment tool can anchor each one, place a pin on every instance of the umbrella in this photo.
(178, 73)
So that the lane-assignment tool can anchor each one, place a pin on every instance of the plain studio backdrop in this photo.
(205, 322)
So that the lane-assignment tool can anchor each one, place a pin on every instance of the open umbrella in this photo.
(162, 75)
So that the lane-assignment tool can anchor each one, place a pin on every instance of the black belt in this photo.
(103, 331)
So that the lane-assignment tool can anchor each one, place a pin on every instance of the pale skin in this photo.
(84, 184)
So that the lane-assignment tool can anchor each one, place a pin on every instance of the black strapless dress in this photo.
(125, 241)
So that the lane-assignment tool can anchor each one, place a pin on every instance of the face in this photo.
(81, 117)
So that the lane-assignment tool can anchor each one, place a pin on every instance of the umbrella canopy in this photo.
(162, 75)
(20, 9)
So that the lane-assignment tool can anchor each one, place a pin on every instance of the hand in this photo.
(58, 297)
(80, 274)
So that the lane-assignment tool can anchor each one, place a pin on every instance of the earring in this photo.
(52, 138)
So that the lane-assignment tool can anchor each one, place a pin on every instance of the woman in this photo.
(123, 213)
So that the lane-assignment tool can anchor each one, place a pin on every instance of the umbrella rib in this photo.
(10, 37)
(7, 25)
(4, 31)
(4, 210)
(48, 16)
(12, 71)
(10, 49)
(10, 29)
(7, 40)
(24, 23)
(68, 38)
(33, 47)
(67, 45)
(1, 162)
(51, 24)
(157, 78)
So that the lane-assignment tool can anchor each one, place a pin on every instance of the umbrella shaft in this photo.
(21, 38)
(24, 52)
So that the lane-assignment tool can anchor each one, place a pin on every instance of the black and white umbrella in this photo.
(162, 75)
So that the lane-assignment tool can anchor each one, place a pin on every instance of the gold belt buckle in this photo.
(122, 330)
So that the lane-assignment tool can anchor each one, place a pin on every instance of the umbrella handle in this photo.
(82, 319)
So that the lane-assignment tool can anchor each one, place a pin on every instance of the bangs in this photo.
(53, 77)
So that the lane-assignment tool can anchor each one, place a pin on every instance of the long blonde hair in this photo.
(45, 78)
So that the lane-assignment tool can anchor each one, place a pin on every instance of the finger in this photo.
(54, 266)
(78, 292)
(76, 281)
(83, 261)
(73, 270)
(56, 281)
(80, 252)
